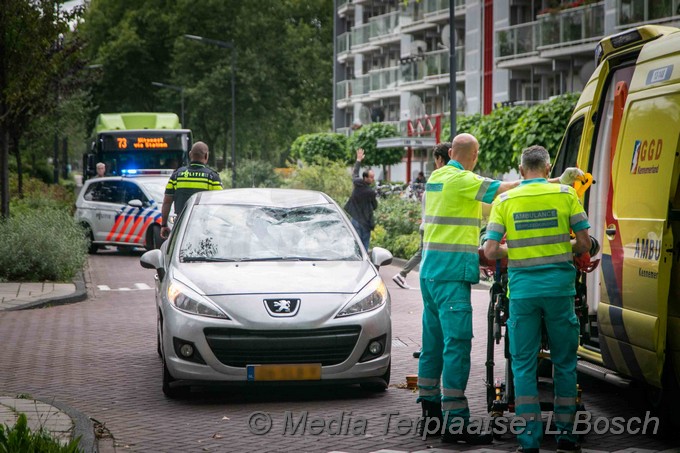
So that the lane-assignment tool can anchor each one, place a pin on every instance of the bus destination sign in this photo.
(138, 142)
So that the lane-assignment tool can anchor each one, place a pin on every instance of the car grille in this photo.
(238, 347)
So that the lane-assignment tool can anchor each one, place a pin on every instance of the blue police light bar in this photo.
(128, 171)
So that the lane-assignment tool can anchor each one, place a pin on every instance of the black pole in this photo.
(452, 64)
(182, 109)
(56, 159)
(64, 157)
(233, 116)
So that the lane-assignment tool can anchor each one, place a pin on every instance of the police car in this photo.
(124, 211)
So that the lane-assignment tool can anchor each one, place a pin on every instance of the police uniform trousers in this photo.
(447, 340)
(524, 330)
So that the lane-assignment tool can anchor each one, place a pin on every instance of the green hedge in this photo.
(40, 245)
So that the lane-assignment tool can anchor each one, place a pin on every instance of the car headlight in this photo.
(189, 301)
(373, 296)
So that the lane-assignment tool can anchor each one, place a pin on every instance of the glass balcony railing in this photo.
(384, 79)
(437, 63)
(433, 64)
(384, 25)
(433, 6)
(342, 3)
(343, 90)
(361, 85)
(517, 40)
(572, 25)
(361, 34)
(343, 42)
(637, 11)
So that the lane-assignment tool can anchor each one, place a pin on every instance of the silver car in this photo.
(269, 285)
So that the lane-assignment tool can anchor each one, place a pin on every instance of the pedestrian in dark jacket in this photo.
(362, 202)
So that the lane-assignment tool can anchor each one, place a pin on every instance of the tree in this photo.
(328, 145)
(367, 138)
(38, 50)
(543, 124)
(284, 66)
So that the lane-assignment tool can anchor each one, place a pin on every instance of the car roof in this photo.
(139, 178)
(265, 197)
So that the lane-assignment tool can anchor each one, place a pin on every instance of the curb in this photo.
(79, 295)
(83, 426)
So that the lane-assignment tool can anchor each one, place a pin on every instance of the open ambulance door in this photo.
(638, 179)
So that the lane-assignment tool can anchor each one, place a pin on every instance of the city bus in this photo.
(130, 142)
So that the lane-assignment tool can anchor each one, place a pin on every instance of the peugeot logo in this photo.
(282, 307)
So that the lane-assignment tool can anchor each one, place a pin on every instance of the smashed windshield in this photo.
(256, 233)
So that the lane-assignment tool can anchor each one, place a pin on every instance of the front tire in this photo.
(91, 246)
(377, 387)
(168, 389)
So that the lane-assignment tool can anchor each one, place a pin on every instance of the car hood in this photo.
(213, 279)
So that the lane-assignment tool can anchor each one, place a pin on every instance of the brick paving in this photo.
(99, 356)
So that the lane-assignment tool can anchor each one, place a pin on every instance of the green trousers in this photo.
(524, 331)
(447, 340)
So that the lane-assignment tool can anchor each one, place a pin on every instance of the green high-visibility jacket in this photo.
(453, 213)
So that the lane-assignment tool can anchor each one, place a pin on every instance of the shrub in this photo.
(20, 438)
(367, 138)
(39, 196)
(398, 216)
(405, 245)
(326, 176)
(252, 173)
(310, 147)
(42, 244)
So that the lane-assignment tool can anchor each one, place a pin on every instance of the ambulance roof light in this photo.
(623, 39)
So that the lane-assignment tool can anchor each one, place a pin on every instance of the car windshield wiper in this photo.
(285, 258)
(206, 259)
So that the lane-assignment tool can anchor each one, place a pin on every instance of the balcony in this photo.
(646, 11)
(384, 26)
(360, 35)
(343, 91)
(572, 26)
(361, 86)
(384, 79)
(343, 43)
(436, 7)
(437, 63)
(517, 40)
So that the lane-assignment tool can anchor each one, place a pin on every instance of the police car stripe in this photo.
(128, 219)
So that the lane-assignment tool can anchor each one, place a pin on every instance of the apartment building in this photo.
(392, 56)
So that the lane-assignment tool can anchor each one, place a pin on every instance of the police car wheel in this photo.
(91, 246)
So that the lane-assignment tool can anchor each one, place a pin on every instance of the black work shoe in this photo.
(567, 446)
(416, 355)
(431, 412)
(466, 437)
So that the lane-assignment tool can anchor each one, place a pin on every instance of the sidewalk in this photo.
(63, 422)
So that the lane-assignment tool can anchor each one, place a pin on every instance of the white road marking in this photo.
(138, 287)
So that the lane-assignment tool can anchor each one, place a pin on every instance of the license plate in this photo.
(288, 372)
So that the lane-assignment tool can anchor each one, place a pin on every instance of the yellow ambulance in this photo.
(625, 131)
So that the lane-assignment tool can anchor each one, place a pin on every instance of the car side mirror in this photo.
(153, 259)
(380, 257)
(136, 203)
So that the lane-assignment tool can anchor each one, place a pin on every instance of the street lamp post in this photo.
(176, 88)
(227, 45)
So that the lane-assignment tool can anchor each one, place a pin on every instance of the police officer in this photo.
(453, 212)
(536, 218)
(186, 181)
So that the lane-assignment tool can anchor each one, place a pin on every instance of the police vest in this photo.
(453, 213)
(537, 219)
